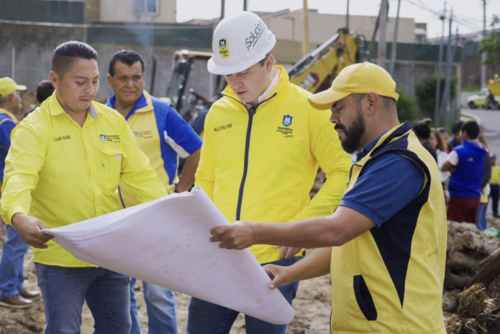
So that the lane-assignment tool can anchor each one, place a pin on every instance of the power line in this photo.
(459, 20)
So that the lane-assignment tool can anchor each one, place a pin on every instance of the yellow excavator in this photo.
(315, 72)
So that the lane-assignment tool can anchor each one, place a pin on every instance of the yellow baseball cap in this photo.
(9, 86)
(356, 79)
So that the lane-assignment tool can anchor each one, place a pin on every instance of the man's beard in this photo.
(352, 136)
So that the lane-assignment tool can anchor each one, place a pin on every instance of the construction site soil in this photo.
(312, 304)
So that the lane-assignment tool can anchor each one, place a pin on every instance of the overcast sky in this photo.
(469, 12)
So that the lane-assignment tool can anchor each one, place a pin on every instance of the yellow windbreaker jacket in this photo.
(259, 164)
(62, 173)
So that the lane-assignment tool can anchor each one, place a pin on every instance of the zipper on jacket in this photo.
(251, 113)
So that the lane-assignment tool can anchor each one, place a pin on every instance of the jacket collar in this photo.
(384, 139)
(283, 83)
(143, 104)
(8, 113)
(57, 109)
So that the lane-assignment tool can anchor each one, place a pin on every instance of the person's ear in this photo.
(54, 79)
(110, 80)
(269, 63)
(372, 101)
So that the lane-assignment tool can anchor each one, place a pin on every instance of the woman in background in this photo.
(439, 145)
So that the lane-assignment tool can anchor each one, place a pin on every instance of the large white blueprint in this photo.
(166, 242)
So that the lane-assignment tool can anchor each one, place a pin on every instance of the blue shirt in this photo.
(466, 180)
(385, 186)
(7, 124)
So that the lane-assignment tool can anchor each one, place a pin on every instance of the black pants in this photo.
(495, 194)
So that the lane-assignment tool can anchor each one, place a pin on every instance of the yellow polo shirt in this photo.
(62, 173)
(495, 175)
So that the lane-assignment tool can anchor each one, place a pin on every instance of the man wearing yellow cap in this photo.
(385, 245)
(12, 292)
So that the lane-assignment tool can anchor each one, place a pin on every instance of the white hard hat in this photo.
(239, 42)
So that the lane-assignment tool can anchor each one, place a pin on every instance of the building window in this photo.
(146, 6)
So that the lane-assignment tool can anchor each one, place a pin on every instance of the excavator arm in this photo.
(316, 71)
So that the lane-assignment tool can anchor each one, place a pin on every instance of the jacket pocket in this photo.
(364, 298)
(112, 163)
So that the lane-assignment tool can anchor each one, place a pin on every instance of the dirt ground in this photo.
(312, 306)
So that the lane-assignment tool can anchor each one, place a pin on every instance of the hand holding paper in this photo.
(166, 242)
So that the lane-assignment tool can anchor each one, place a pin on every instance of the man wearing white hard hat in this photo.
(262, 145)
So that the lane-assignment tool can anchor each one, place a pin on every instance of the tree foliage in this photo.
(426, 94)
(407, 106)
(491, 45)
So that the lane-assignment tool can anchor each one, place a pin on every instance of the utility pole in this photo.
(437, 120)
(245, 5)
(483, 56)
(452, 56)
(13, 63)
(347, 16)
(449, 59)
(222, 9)
(305, 21)
(382, 36)
(395, 42)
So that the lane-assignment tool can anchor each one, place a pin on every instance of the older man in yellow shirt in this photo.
(66, 161)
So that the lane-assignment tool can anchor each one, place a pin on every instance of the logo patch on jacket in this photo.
(223, 48)
(286, 130)
(287, 120)
(110, 138)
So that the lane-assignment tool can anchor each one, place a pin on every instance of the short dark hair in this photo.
(264, 60)
(422, 129)
(66, 53)
(386, 101)
(128, 57)
(471, 128)
(457, 126)
(44, 90)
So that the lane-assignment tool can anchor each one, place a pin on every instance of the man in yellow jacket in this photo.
(64, 166)
(260, 155)
(385, 245)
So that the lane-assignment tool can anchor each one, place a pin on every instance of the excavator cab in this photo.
(182, 92)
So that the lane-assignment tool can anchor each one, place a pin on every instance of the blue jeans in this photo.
(160, 304)
(11, 266)
(208, 318)
(65, 289)
(482, 224)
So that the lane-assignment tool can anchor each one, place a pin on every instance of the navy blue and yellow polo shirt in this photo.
(163, 135)
(390, 278)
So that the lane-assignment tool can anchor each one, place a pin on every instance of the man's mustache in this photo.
(339, 127)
